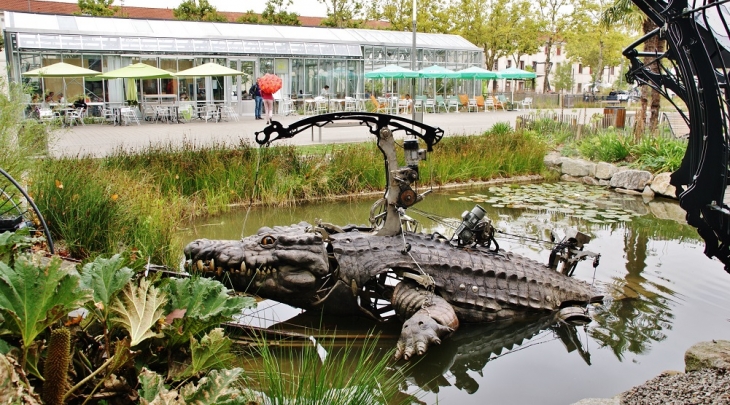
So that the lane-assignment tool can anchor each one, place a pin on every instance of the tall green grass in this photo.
(349, 375)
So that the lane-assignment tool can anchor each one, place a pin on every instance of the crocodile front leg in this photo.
(429, 318)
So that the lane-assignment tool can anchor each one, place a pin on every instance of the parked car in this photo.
(618, 95)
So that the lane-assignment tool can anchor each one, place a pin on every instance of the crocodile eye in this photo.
(267, 240)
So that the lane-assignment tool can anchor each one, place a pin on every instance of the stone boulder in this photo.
(553, 159)
(578, 168)
(591, 181)
(605, 171)
(571, 179)
(714, 355)
(661, 186)
(630, 179)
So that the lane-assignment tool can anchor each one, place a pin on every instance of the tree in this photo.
(97, 8)
(554, 20)
(432, 17)
(595, 45)
(563, 78)
(197, 10)
(626, 13)
(249, 17)
(275, 13)
(343, 13)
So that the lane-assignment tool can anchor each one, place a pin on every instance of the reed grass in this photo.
(349, 375)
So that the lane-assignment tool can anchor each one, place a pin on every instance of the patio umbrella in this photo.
(514, 73)
(61, 69)
(131, 90)
(208, 69)
(438, 72)
(478, 73)
(136, 71)
(391, 72)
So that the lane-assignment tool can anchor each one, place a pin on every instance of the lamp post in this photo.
(413, 66)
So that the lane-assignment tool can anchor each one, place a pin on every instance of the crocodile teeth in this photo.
(199, 265)
(248, 273)
(219, 271)
(243, 267)
(212, 265)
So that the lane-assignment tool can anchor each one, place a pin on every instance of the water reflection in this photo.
(472, 347)
(663, 295)
(639, 312)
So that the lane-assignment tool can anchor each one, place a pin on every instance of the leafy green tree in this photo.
(563, 79)
(595, 45)
(343, 13)
(275, 13)
(432, 17)
(626, 13)
(554, 21)
(197, 10)
(99, 8)
(249, 17)
(499, 27)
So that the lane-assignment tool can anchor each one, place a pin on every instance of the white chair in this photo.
(47, 115)
(149, 112)
(108, 115)
(228, 113)
(75, 116)
(128, 115)
(350, 104)
(472, 105)
(430, 104)
(527, 103)
(162, 113)
(452, 102)
(320, 105)
(418, 105)
(209, 112)
(489, 103)
(185, 112)
(287, 107)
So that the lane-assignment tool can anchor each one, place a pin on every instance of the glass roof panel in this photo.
(251, 46)
(235, 45)
(201, 45)
(297, 48)
(90, 24)
(160, 28)
(36, 21)
(71, 42)
(120, 26)
(142, 26)
(312, 49)
(166, 44)
(67, 23)
(28, 41)
(130, 44)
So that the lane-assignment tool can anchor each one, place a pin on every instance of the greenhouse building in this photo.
(306, 58)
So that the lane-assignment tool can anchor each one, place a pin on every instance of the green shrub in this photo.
(659, 154)
(608, 146)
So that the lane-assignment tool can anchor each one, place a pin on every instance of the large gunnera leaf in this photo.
(34, 296)
(212, 352)
(202, 304)
(217, 388)
(105, 277)
(138, 309)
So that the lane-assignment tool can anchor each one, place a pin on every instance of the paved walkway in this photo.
(100, 140)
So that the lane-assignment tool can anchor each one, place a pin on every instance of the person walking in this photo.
(255, 92)
(268, 105)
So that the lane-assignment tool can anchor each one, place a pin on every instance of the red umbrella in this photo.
(269, 83)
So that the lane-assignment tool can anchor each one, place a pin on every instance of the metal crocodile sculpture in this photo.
(346, 273)
(432, 282)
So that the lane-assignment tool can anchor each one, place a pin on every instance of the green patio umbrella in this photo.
(514, 73)
(136, 71)
(208, 69)
(61, 69)
(438, 72)
(478, 73)
(391, 72)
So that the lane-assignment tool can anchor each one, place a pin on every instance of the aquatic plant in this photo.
(606, 146)
(659, 154)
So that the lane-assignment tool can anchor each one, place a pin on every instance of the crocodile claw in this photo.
(419, 332)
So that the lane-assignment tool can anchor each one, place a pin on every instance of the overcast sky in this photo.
(310, 8)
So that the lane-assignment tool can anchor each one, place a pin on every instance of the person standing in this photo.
(268, 105)
(325, 91)
(255, 92)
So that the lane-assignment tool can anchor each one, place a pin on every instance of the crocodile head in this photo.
(288, 264)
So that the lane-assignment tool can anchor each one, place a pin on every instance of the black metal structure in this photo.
(695, 66)
(375, 122)
(17, 210)
(399, 180)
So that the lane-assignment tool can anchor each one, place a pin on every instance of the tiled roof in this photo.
(54, 7)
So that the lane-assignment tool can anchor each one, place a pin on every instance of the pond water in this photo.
(662, 295)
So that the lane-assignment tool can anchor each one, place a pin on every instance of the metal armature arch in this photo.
(696, 67)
